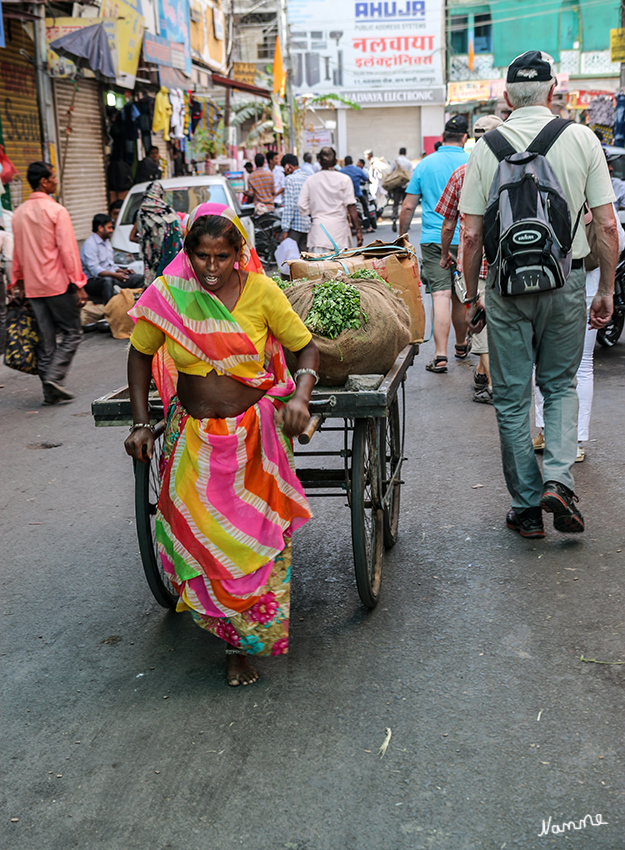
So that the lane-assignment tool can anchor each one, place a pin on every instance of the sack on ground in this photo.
(400, 269)
(527, 222)
(91, 313)
(116, 312)
(372, 348)
(22, 337)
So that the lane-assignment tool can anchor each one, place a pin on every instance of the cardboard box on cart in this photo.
(401, 270)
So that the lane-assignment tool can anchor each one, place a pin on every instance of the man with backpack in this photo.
(523, 197)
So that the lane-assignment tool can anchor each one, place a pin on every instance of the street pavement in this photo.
(118, 729)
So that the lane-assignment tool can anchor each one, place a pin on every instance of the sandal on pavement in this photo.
(462, 351)
(439, 364)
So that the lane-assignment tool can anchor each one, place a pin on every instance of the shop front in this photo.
(390, 120)
(78, 106)
(20, 128)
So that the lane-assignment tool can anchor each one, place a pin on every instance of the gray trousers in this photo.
(56, 314)
(545, 329)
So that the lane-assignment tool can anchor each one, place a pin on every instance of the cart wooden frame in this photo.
(373, 428)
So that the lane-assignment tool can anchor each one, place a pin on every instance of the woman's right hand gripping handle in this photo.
(140, 443)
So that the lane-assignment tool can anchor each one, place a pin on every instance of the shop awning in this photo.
(89, 44)
(218, 80)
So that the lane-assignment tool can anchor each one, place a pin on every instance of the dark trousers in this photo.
(3, 312)
(56, 314)
(365, 207)
(398, 196)
(101, 289)
(300, 238)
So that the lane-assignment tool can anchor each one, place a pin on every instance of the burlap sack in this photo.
(116, 312)
(401, 270)
(91, 313)
(372, 348)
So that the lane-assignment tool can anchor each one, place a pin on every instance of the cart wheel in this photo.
(147, 490)
(390, 461)
(367, 513)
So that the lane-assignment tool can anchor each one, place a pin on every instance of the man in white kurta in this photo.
(328, 198)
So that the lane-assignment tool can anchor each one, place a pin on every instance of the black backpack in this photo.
(527, 222)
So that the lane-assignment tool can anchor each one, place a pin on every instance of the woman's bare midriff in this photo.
(215, 396)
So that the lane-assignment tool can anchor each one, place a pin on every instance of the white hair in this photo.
(529, 94)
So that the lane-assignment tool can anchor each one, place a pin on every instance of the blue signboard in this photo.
(2, 43)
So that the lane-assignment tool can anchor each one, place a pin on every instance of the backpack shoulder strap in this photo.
(499, 146)
(548, 135)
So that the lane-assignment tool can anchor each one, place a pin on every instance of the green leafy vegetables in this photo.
(366, 274)
(283, 284)
(335, 308)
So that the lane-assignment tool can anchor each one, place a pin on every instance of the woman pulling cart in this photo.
(230, 497)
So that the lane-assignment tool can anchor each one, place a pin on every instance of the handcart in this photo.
(369, 477)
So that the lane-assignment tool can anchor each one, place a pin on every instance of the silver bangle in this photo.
(473, 300)
(306, 372)
(136, 427)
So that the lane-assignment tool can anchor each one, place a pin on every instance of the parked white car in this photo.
(183, 194)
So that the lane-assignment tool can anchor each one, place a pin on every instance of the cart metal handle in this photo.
(316, 404)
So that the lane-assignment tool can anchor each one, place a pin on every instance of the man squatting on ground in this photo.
(545, 328)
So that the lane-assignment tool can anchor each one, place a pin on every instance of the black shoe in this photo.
(559, 501)
(480, 380)
(51, 398)
(528, 522)
(57, 391)
(394, 227)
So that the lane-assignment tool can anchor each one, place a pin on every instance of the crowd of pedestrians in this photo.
(534, 335)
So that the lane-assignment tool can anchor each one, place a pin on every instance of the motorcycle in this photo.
(610, 334)
(268, 229)
(370, 221)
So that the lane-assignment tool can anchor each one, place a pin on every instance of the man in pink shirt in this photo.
(47, 270)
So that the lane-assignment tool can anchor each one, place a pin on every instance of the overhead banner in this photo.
(2, 41)
(345, 45)
(130, 26)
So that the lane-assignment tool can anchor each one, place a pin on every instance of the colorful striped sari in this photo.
(230, 498)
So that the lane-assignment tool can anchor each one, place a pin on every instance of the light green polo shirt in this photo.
(576, 157)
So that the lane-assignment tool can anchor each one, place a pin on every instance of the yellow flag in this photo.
(471, 55)
(279, 74)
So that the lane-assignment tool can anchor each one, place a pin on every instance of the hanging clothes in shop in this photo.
(145, 105)
(162, 113)
(196, 114)
(619, 120)
(130, 114)
(176, 99)
(116, 132)
(187, 114)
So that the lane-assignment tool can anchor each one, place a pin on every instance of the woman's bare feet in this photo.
(240, 671)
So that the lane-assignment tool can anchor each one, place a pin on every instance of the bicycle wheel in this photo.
(391, 466)
(367, 513)
(610, 334)
(147, 491)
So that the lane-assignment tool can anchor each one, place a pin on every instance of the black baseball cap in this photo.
(458, 124)
(531, 67)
